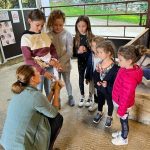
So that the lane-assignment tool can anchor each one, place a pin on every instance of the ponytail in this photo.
(24, 74)
(17, 87)
(132, 52)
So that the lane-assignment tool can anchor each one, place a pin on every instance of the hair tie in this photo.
(22, 83)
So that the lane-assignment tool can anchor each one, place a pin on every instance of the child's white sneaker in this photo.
(115, 134)
(93, 107)
(88, 102)
(119, 141)
(81, 103)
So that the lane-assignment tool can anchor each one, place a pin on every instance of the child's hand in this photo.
(49, 75)
(81, 49)
(40, 62)
(124, 116)
(104, 83)
(99, 83)
(55, 63)
(60, 69)
(87, 81)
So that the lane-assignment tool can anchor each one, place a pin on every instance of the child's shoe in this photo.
(119, 141)
(93, 107)
(115, 134)
(88, 102)
(81, 103)
(98, 118)
(108, 122)
(71, 101)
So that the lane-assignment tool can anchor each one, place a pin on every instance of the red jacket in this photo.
(124, 87)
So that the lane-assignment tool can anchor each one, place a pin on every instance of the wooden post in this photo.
(148, 22)
(148, 15)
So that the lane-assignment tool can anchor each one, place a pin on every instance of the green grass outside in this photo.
(72, 11)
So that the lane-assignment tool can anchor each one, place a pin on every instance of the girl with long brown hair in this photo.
(82, 41)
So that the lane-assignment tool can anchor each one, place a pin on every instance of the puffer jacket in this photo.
(123, 93)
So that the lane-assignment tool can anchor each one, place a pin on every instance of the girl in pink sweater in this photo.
(123, 94)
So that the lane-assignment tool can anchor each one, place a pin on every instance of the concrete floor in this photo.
(78, 131)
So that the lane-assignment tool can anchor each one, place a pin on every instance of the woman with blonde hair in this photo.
(31, 121)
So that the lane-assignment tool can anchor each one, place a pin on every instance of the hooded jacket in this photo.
(123, 93)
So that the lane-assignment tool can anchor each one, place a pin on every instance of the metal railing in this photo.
(142, 15)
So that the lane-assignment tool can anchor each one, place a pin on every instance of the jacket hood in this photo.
(136, 72)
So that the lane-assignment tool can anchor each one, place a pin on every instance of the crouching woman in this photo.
(32, 123)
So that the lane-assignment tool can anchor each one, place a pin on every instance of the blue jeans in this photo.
(45, 82)
(66, 78)
(146, 72)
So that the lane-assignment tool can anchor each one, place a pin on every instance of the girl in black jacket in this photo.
(104, 78)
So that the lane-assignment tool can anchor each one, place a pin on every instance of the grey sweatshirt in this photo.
(63, 43)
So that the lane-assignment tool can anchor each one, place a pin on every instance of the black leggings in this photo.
(101, 102)
(56, 124)
(82, 64)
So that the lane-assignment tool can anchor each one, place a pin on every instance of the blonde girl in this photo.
(30, 117)
(63, 42)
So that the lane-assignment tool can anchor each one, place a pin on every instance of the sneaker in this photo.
(88, 103)
(119, 141)
(71, 101)
(93, 107)
(97, 118)
(115, 134)
(108, 122)
(81, 103)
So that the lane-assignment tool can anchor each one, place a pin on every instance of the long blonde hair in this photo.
(23, 75)
(88, 32)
